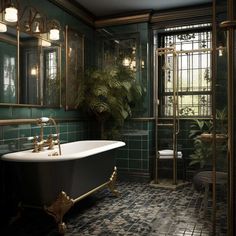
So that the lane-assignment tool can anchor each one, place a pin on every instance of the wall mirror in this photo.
(8, 67)
(30, 63)
(39, 73)
(120, 49)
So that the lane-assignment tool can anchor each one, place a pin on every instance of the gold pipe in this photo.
(91, 192)
(230, 25)
(57, 132)
(213, 87)
(64, 203)
(160, 124)
(18, 121)
(174, 118)
(155, 108)
(18, 64)
(66, 84)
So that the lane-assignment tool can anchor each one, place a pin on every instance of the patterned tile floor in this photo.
(140, 210)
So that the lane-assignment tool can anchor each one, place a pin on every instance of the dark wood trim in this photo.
(142, 17)
(74, 9)
(205, 11)
(133, 17)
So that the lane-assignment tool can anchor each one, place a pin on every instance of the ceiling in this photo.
(103, 8)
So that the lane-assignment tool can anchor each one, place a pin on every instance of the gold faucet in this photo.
(39, 144)
(50, 142)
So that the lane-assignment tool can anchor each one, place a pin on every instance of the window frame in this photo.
(160, 34)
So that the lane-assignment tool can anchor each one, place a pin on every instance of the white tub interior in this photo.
(70, 151)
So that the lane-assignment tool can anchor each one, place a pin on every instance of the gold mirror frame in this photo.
(17, 42)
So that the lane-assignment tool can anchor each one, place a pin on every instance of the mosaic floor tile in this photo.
(140, 211)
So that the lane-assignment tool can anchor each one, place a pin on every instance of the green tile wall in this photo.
(135, 159)
(14, 137)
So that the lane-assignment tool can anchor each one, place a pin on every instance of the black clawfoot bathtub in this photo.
(57, 182)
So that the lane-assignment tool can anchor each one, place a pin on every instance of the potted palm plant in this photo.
(110, 94)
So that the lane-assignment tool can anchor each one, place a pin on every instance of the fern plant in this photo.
(202, 154)
(202, 150)
(110, 93)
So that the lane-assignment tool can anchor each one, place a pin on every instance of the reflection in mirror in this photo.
(8, 66)
(120, 49)
(51, 74)
(39, 71)
(30, 83)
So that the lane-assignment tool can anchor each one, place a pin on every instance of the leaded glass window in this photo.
(193, 73)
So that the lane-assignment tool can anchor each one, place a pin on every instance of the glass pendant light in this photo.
(54, 34)
(11, 14)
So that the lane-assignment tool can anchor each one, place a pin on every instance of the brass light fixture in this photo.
(54, 30)
(29, 20)
(34, 22)
(11, 14)
(9, 10)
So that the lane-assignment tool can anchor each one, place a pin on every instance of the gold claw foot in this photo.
(62, 228)
(58, 209)
(112, 183)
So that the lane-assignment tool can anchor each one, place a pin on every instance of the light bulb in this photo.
(37, 30)
(126, 61)
(3, 28)
(11, 14)
(54, 34)
(221, 51)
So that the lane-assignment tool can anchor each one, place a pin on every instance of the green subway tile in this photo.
(24, 130)
(63, 127)
(6, 113)
(145, 155)
(135, 144)
(145, 145)
(1, 132)
(10, 132)
(145, 165)
(135, 164)
(36, 112)
(49, 113)
(21, 112)
(71, 137)
(64, 137)
(35, 131)
(121, 163)
(71, 127)
(122, 154)
(135, 154)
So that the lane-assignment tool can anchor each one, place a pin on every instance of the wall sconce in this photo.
(9, 10)
(11, 14)
(54, 30)
(30, 20)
